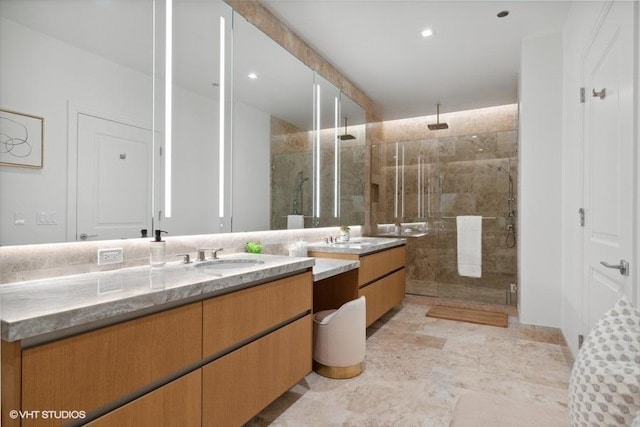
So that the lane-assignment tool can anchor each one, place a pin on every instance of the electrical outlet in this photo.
(513, 288)
(110, 256)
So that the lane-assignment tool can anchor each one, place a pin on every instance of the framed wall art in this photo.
(21, 139)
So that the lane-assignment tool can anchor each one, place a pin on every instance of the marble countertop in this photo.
(328, 267)
(30, 309)
(357, 245)
(409, 234)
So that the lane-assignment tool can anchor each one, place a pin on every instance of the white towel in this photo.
(295, 221)
(469, 245)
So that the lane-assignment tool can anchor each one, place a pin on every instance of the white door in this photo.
(609, 162)
(114, 179)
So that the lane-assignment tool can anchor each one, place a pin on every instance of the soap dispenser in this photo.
(158, 250)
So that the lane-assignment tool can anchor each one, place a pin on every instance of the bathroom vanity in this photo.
(380, 276)
(187, 345)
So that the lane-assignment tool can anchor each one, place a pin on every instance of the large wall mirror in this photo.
(272, 121)
(241, 134)
(85, 69)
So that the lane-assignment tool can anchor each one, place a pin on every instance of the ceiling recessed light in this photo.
(503, 14)
(253, 76)
(427, 32)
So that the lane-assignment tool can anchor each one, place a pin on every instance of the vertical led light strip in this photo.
(168, 86)
(419, 186)
(222, 119)
(318, 152)
(397, 192)
(402, 211)
(154, 141)
(336, 161)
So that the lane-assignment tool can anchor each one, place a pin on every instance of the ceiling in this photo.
(471, 62)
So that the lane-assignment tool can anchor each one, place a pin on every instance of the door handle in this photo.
(623, 266)
(85, 236)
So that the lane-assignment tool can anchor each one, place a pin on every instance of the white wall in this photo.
(251, 175)
(540, 145)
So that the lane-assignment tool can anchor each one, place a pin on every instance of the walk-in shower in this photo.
(428, 181)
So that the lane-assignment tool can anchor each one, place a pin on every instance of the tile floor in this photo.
(417, 367)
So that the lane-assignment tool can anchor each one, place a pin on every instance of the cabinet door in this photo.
(251, 311)
(178, 403)
(380, 263)
(239, 385)
(383, 295)
(87, 371)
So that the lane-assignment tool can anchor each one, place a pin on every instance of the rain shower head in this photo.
(437, 125)
(346, 136)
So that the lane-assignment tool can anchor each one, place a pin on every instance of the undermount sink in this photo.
(228, 263)
(353, 242)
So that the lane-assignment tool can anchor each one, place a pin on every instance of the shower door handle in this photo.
(623, 266)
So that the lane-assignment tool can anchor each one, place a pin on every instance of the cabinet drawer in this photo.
(239, 385)
(178, 403)
(381, 263)
(232, 318)
(86, 371)
(383, 295)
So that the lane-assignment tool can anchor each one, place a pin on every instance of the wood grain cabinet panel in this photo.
(232, 318)
(87, 371)
(178, 403)
(383, 295)
(242, 383)
(380, 263)
(372, 266)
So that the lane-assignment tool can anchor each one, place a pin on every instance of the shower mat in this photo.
(492, 318)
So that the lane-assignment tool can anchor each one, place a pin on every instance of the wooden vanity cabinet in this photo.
(381, 278)
(178, 403)
(229, 319)
(89, 370)
(238, 385)
(214, 362)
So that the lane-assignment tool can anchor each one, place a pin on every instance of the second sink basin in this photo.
(217, 264)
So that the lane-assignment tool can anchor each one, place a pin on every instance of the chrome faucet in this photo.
(186, 259)
(214, 253)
